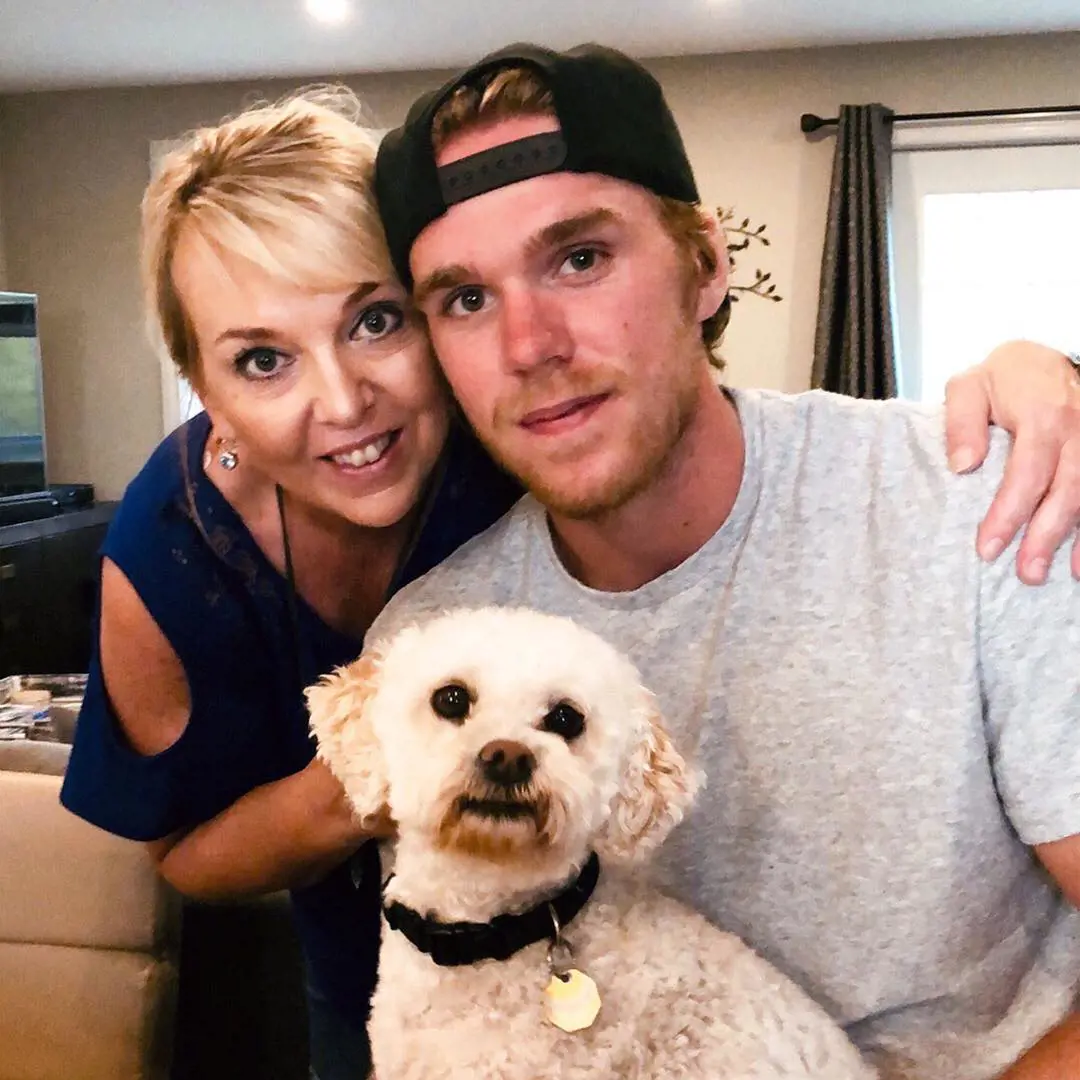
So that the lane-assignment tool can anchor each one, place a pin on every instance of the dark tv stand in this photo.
(48, 590)
(34, 505)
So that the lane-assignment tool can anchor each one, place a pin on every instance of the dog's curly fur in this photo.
(681, 999)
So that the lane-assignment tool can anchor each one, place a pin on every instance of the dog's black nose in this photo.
(506, 763)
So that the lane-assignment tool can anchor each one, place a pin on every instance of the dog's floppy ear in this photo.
(346, 738)
(656, 790)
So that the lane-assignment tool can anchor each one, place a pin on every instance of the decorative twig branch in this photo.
(760, 288)
(747, 233)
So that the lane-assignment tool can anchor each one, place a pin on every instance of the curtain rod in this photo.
(810, 123)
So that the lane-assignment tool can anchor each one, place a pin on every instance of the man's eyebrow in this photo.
(446, 277)
(560, 232)
(262, 333)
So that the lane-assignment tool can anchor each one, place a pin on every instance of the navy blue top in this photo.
(224, 609)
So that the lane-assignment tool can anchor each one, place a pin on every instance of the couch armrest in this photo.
(71, 1013)
(88, 937)
(65, 882)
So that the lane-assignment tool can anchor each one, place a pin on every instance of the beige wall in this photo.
(72, 166)
(3, 246)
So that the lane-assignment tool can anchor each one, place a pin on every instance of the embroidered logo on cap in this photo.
(521, 159)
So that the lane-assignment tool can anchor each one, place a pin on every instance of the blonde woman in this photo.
(260, 540)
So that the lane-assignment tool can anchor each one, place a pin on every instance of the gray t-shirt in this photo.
(885, 724)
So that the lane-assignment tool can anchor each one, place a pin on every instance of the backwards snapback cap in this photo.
(612, 116)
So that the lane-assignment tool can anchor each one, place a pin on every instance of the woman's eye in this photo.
(466, 301)
(260, 363)
(377, 322)
(580, 261)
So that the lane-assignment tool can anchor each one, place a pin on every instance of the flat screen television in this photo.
(22, 407)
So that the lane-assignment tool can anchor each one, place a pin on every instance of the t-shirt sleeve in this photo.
(247, 725)
(1030, 658)
(107, 782)
(110, 785)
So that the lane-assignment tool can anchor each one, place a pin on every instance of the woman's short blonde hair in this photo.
(287, 186)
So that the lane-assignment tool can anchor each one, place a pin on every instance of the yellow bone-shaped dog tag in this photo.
(572, 1001)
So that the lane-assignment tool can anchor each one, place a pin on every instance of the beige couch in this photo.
(87, 938)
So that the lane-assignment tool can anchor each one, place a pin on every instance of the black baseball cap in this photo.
(612, 116)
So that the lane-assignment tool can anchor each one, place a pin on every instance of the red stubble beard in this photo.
(559, 476)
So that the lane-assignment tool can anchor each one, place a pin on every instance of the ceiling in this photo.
(78, 43)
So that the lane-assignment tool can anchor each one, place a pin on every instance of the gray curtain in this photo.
(855, 345)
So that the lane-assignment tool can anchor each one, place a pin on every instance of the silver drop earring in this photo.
(228, 458)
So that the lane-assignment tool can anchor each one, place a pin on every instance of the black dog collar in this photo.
(455, 944)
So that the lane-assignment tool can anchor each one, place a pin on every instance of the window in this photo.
(179, 402)
(986, 243)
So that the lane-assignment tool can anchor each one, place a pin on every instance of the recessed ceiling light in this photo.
(329, 11)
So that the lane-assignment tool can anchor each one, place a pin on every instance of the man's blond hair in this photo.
(519, 91)
(286, 186)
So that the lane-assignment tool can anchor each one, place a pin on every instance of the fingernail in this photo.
(962, 460)
(990, 549)
(1036, 571)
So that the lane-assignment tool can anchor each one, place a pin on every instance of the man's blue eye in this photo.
(583, 259)
(468, 301)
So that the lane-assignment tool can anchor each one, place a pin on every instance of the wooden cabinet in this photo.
(20, 577)
(48, 591)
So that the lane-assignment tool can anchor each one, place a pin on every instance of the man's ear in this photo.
(713, 286)
(656, 790)
(340, 721)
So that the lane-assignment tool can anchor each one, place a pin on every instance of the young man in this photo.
(888, 724)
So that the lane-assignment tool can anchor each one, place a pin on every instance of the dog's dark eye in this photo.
(452, 702)
(565, 721)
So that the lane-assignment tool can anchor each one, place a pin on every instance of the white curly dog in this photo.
(510, 747)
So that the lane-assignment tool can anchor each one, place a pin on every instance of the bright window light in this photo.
(985, 240)
(997, 265)
(332, 12)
